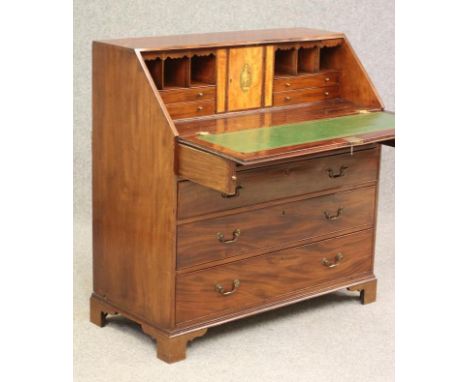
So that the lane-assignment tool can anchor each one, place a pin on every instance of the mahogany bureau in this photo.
(233, 173)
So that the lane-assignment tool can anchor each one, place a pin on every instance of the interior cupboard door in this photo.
(245, 78)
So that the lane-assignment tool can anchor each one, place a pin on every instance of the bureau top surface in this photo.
(236, 38)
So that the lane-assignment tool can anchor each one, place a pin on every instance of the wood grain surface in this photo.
(269, 73)
(199, 242)
(221, 39)
(248, 62)
(223, 123)
(356, 86)
(281, 181)
(271, 275)
(191, 109)
(200, 93)
(221, 79)
(134, 188)
(320, 79)
(305, 95)
(206, 169)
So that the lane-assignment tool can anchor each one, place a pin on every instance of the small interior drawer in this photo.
(188, 95)
(305, 95)
(232, 287)
(191, 109)
(286, 83)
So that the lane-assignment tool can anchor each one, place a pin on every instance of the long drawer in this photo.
(261, 279)
(281, 181)
(214, 239)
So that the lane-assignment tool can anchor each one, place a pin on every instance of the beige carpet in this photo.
(330, 338)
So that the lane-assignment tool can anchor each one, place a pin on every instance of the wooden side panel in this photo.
(221, 69)
(356, 86)
(207, 169)
(269, 73)
(245, 78)
(134, 189)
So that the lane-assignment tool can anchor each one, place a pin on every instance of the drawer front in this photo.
(305, 95)
(190, 109)
(281, 84)
(281, 181)
(188, 95)
(264, 278)
(214, 239)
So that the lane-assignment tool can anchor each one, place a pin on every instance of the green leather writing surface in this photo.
(267, 138)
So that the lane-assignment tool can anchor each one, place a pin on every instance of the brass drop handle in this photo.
(333, 217)
(331, 174)
(200, 108)
(338, 258)
(220, 289)
(200, 94)
(287, 84)
(237, 193)
(287, 98)
(235, 236)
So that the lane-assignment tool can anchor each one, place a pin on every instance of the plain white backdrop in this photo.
(37, 189)
(36, 192)
(431, 191)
